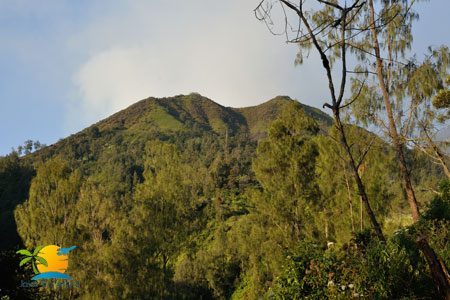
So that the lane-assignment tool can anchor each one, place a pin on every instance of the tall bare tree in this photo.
(395, 84)
(328, 30)
(378, 39)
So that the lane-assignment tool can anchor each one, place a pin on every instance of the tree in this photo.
(442, 98)
(28, 146)
(100, 226)
(280, 213)
(47, 216)
(15, 179)
(333, 30)
(339, 188)
(328, 31)
(285, 167)
(424, 81)
(441, 102)
(389, 34)
(162, 215)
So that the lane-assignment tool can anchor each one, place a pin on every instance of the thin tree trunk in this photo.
(226, 143)
(398, 145)
(361, 213)
(437, 269)
(361, 189)
(164, 285)
(349, 199)
(336, 101)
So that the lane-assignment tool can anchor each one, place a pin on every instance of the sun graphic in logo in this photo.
(51, 261)
(55, 262)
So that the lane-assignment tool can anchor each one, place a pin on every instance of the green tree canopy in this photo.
(47, 217)
(163, 214)
(285, 165)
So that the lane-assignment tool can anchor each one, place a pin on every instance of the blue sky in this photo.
(66, 64)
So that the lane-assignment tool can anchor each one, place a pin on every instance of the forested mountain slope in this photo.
(193, 122)
(211, 202)
(114, 147)
(184, 115)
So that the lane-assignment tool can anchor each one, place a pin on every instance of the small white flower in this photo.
(355, 295)
(343, 287)
(351, 285)
(330, 283)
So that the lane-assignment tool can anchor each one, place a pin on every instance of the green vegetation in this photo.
(195, 213)
(182, 198)
(385, 84)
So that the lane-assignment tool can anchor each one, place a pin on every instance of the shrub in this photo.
(378, 271)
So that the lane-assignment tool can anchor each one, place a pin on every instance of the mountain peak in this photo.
(189, 115)
(258, 117)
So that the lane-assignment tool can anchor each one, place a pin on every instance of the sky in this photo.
(66, 64)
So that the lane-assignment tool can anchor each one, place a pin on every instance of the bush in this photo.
(379, 271)
(369, 268)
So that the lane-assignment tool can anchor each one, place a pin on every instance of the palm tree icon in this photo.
(32, 257)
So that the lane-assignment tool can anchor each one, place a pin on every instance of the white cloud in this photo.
(80, 61)
(161, 50)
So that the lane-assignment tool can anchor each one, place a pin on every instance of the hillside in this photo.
(187, 111)
(113, 149)
(258, 117)
(201, 201)
(184, 115)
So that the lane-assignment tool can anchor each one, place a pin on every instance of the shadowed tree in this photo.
(47, 216)
(163, 215)
(427, 141)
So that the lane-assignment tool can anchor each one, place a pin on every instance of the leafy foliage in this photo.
(202, 210)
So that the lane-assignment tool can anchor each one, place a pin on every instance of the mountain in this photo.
(258, 117)
(113, 149)
(180, 116)
(199, 212)
(186, 111)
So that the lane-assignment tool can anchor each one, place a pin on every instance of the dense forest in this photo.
(182, 198)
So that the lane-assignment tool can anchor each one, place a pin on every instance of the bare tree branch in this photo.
(362, 72)
(331, 4)
(361, 159)
(354, 98)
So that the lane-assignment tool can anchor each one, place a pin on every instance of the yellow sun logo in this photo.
(55, 262)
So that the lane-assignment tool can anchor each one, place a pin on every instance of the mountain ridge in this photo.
(187, 114)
